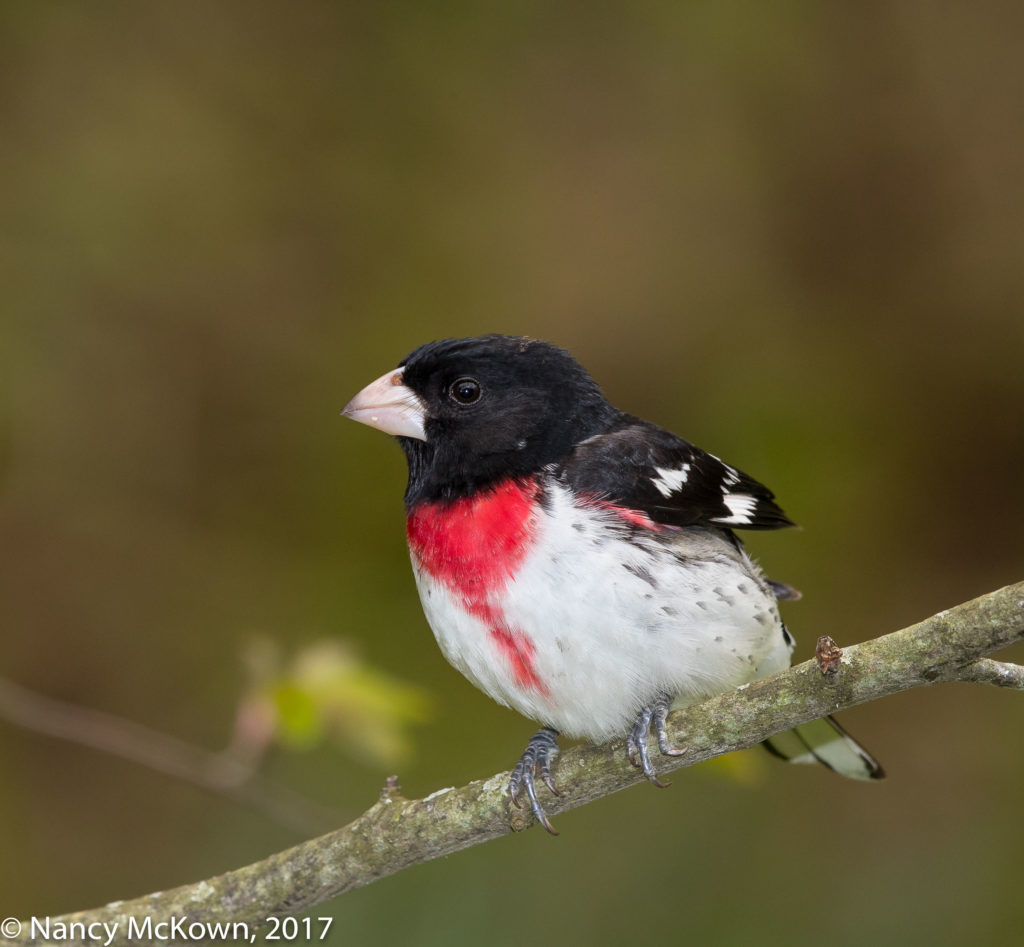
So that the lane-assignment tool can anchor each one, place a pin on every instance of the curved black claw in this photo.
(537, 758)
(636, 742)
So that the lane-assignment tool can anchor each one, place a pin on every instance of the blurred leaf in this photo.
(746, 767)
(326, 691)
(298, 717)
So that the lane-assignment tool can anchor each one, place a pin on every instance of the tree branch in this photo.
(222, 772)
(987, 671)
(396, 833)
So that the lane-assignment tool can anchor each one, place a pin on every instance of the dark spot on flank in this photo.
(669, 610)
(742, 588)
(703, 605)
(578, 526)
(641, 573)
(761, 618)
(722, 597)
(719, 638)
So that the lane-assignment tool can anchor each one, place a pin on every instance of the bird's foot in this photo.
(636, 743)
(537, 758)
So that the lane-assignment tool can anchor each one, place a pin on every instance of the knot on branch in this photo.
(828, 654)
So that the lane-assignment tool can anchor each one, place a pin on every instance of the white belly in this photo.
(605, 617)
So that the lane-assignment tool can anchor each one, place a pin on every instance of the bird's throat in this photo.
(476, 544)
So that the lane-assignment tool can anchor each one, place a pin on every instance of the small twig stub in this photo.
(827, 653)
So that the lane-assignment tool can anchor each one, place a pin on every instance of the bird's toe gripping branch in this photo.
(636, 743)
(537, 758)
(542, 749)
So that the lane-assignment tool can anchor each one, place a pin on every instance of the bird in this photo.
(578, 564)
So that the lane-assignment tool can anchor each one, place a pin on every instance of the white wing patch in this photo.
(670, 480)
(732, 475)
(741, 508)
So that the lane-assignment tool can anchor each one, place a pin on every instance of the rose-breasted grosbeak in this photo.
(576, 563)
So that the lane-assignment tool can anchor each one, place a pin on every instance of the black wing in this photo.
(644, 467)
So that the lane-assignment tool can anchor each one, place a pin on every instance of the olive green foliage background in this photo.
(790, 232)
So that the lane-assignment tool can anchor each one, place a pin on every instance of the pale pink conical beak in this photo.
(389, 406)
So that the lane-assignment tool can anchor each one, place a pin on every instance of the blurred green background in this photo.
(791, 232)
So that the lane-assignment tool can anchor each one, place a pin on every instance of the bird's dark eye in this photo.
(465, 391)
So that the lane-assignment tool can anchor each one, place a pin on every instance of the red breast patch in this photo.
(474, 546)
